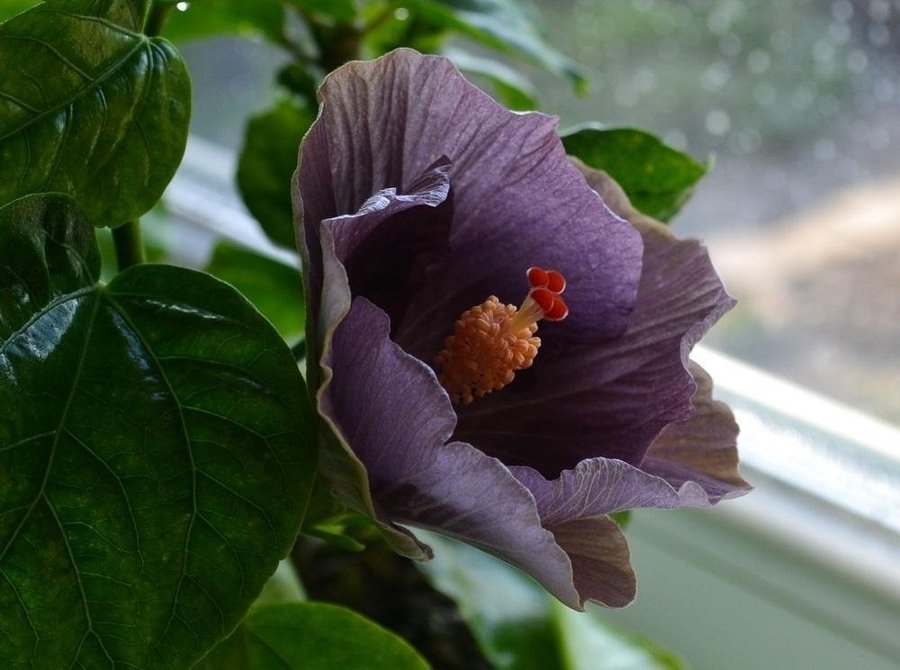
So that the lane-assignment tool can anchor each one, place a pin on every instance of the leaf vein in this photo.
(244, 499)
(118, 480)
(52, 49)
(87, 17)
(212, 361)
(173, 614)
(80, 92)
(43, 487)
(25, 611)
(231, 548)
(21, 103)
(41, 312)
(78, 580)
(272, 650)
(26, 440)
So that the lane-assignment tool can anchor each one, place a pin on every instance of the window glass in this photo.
(798, 103)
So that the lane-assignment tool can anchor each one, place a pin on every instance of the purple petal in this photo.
(601, 486)
(611, 398)
(474, 498)
(600, 560)
(340, 240)
(387, 246)
(518, 201)
(390, 407)
(703, 450)
(387, 404)
(690, 465)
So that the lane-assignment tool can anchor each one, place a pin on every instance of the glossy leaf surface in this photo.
(91, 107)
(311, 636)
(657, 178)
(49, 250)
(519, 626)
(266, 164)
(155, 455)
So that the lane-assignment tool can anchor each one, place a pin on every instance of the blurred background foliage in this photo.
(796, 105)
(792, 103)
(789, 102)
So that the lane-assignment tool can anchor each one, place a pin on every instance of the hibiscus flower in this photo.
(498, 342)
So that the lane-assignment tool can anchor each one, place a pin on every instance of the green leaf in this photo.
(127, 13)
(91, 107)
(510, 88)
(282, 587)
(584, 639)
(9, 8)
(657, 178)
(275, 288)
(502, 25)
(327, 518)
(520, 627)
(342, 11)
(311, 636)
(267, 163)
(49, 249)
(156, 453)
(301, 81)
(622, 518)
(509, 614)
(207, 18)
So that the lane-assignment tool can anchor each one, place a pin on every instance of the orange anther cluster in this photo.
(483, 353)
(491, 341)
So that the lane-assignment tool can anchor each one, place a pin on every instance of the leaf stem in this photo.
(159, 12)
(128, 244)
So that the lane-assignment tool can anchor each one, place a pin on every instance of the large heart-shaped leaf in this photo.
(91, 107)
(128, 13)
(657, 178)
(155, 453)
(311, 636)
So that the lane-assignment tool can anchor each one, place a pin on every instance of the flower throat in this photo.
(492, 341)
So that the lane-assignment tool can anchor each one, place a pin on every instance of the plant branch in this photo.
(128, 244)
(159, 12)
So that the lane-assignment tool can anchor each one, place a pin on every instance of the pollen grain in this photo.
(488, 345)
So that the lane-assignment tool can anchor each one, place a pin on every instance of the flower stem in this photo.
(128, 244)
